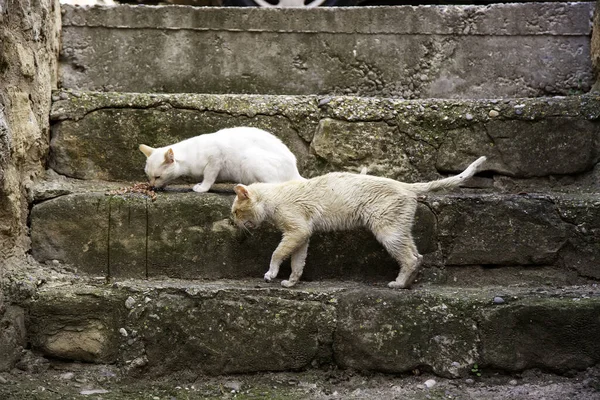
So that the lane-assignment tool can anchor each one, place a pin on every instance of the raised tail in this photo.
(449, 183)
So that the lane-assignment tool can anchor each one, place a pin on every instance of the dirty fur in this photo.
(340, 201)
(240, 154)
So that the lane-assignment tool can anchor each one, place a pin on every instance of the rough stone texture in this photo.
(396, 332)
(582, 251)
(502, 230)
(190, 236)
(595, 47)
(28, 63)
(187, 235)
(410, 52)
(95, 135)
(228, 327)
(232, 335)
(12, 334)
(82, 326)
(546, 333)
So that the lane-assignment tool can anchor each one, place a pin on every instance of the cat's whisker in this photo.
(246, 230)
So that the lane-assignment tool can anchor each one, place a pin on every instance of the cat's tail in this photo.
(451, 182)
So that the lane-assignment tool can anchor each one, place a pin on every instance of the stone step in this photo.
(500, 50)
(468, 238)
(156, 327)
(531, 144)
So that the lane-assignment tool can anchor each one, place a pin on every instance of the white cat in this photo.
(339, 201)
(241, 154)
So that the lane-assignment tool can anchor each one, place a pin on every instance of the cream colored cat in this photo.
(339, 201)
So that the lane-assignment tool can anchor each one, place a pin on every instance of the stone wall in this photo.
(29, 40)
(595, 46)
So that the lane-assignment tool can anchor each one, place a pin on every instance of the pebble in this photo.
(123, 332)
(498, 300)
(324, 101)
(233, 385)
(55, 263)
(469, 381)
(63, 96)
(429, 383)
(130, 302)
(513, 382)
(67, 376)
(93, 391)
(493, 113)
(3, 380)
(469, 116)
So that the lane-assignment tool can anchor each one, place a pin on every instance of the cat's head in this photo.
(247, 211)
(161, 167)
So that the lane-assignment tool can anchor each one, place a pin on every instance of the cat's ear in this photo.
(147, 150)
(241, 191)
(169, 156)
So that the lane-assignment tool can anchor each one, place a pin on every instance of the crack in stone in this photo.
(108, 240)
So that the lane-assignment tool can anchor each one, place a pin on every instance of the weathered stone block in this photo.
(190, 236)
(127, 237)
(499, 230)
(160, 327)
(525, 148)
(104, 144)
(235, 335)
(72, 229)
(396, 331)
(582, 251)
(410, 52)
(81, 325)
(12, 334)
(550, 333)
(405, 140)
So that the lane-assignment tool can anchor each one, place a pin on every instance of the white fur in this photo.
(241, 154)
(340, 201)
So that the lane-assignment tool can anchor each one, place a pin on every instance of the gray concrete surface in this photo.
(501, 50)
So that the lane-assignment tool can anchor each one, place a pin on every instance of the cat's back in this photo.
(362, 186)
(245, 135)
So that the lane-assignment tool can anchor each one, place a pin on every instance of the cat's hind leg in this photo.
(402, 247)
(288, 245)
(298, 262)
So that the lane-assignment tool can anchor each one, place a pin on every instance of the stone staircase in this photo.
(511, 271)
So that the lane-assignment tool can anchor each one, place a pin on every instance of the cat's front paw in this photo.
(268, 277)
(287, 284)
(198, 188)
(398, 285)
